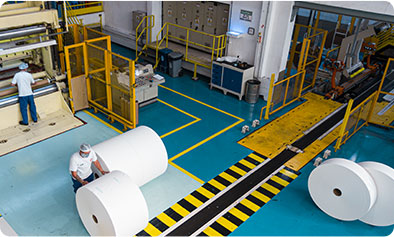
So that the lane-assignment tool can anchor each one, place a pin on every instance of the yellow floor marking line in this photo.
(256, 157)
(211, 232)
(210, 106)
(193, 200)
(103, 122)
(186, 172)
(280, 181)
(150, 229)
(166, 219)
(270, 188)
(216, 184)
(227, 224)
(260, 196)
(180, 210)
(250, 205)
(288, 173)
(242, 216)
(180, 128)
(178, 109)
(247, 164)
(205, 192)
(228, 177)
(238, 170)
(273, 137)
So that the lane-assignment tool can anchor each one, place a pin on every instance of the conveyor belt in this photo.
(192, 224)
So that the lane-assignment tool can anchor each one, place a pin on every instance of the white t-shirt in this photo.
(82, 165)
(23, 80)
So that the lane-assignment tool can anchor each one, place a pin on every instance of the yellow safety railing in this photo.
(281, 94)
(331, 51)
(218, 44)
(382, 93)
(385, 38)
(71, 17)
(148, 22)
(318, 39)
(84, 8)
(285, 95)
(355, 118)
(100, 66)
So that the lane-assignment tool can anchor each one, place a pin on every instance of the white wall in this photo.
(245, 47)
(118, 15)
(92, 18)
(154, 8)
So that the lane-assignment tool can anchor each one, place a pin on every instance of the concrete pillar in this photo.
(276, 39)
(154, 8)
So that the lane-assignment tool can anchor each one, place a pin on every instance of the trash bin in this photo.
(252, 91)
(163, 54)
(175, 63)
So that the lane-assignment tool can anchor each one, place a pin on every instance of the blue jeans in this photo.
(77, 184)
(23, 102)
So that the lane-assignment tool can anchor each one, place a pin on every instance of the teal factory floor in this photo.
(36, 191)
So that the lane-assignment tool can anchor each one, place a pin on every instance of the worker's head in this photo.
(23, 66)
(84, 150)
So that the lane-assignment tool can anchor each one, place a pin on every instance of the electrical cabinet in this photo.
(170, 15)
(208, 17)
(230, 79)
(137, 18)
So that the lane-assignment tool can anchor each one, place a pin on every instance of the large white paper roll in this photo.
(112, 206)
(342, 189)
(382, 213)
(140, 153)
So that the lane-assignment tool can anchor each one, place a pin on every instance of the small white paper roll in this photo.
(112, 206)
(140, 153)
(342, 189)
(382, 213)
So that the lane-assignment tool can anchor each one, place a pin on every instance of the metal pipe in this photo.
(9, 34)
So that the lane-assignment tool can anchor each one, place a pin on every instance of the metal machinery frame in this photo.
(72, 11)
(100, 67)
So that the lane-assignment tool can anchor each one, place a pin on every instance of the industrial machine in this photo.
(347, 71)
(146, 83)
(28, 33)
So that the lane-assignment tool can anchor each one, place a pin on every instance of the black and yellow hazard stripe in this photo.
(207, 191)
(249, 205)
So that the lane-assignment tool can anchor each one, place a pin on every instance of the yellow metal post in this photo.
(270, 92)
(61, 51)
(316, 23)
(323, 42)
(77, 50)
(293, 49)
(352, 25)
(67, 53)
(302, 84)
(166, 36)
(195, 72)
(301, 63)
(379, 91)
(133, 117)
(187, 43)
(108, 80)
(86, 62)
(339, 22)
(344, 124)
(213, 50)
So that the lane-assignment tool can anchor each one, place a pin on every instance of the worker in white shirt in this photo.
(80, 166)
(23, 80)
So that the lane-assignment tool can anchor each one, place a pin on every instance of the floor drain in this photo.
(3, 141)
(26, 130)
(52, 124)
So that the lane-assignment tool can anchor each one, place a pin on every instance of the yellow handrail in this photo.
(149, 24)
(221, 39)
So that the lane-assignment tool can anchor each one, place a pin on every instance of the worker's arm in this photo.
(74, 174)
(98, 165)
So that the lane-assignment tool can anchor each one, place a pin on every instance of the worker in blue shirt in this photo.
(23, 80)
